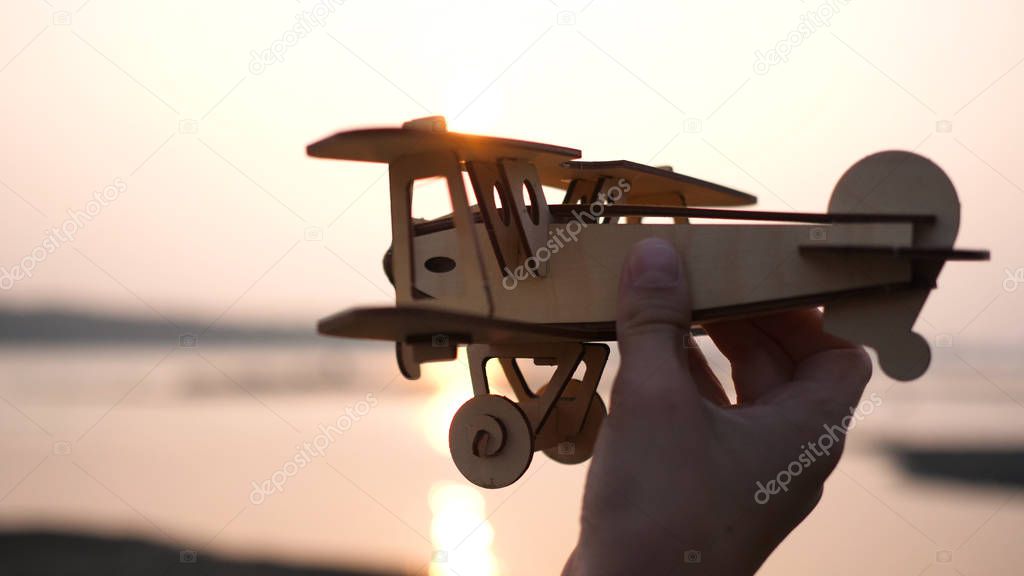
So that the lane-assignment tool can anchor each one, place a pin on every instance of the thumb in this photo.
(652, 324)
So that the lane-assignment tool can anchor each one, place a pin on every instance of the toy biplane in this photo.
(512, 277)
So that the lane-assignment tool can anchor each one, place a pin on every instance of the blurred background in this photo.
(168, 247)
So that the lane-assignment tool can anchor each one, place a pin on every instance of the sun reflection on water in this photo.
(462, 536)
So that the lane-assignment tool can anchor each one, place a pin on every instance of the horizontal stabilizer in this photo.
(914, 253)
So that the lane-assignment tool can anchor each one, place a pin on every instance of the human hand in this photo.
(676, 467)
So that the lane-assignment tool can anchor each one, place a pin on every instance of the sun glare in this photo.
(452, 387)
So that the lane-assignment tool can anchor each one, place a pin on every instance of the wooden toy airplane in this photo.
(513, 277)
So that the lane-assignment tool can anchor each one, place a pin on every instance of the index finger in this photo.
(829, 372)
(800, 333)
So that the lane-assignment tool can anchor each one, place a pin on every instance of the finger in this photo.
(829, 373)
(800, 333)
(703, 376)
(759, 365)
(827, 385)
(652, 324)
(829, 376)
(823, 404)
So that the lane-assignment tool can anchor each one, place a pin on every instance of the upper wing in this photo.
(648, 185)
(388, 144)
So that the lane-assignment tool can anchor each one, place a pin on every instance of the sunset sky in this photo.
(201, 112)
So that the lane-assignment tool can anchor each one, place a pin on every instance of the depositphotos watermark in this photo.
(305, 22)
(1013, 280)
(564, 235)
(810, 22)
(61, 235)
(813, 450)
(311, 450)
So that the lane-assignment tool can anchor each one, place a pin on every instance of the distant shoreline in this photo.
(56, 327)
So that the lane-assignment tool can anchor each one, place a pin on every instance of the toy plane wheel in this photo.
(491, 441)
(574, 446)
